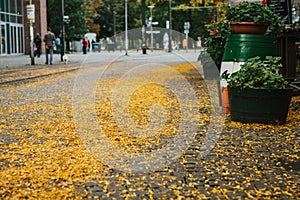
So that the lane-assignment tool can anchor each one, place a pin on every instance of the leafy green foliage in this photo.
(257, 73)
(98, 16)
(216, 42)
(75, 29)
(255, 12)
(104, 17)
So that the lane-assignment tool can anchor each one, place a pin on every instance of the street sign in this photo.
(66, 19)
(187, 25)
(186, 31)
(30, 13)
(147, 22)
(154, 32)
(167, 24)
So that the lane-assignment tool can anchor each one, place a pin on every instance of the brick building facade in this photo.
(15, 28)
(40, 25)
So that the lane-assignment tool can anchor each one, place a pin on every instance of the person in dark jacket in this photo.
(38, 45)
(49, 38)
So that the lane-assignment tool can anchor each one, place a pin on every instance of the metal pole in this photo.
(289, 10)
(115, 26)
(143, 27)
(187, 39)
(126, 29)
(31, 43)
(186, 30)
(143, 39)
(151, 27)
(170, 25)
(31, 40)
(151, 30)
(62, 42)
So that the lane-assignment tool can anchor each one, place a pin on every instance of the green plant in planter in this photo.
(258, 93)
(255, 12)
(216, 42)
(257, 73)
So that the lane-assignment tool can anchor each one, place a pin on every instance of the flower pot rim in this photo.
(239, 88)
(248, 23)
(248, 27)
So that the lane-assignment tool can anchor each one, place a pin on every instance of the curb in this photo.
(20, 80)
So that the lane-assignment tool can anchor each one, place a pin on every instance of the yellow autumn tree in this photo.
(90, 8)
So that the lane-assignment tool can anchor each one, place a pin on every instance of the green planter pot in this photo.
(267, 106)
(241, 47)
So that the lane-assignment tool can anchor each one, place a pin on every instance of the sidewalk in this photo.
(18, 67)
(13, 61)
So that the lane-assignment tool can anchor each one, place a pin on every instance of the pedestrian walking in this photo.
(58, 45)
(38, 45)
(89, 45)
(49, 38)
(93, 45)
(85, 44)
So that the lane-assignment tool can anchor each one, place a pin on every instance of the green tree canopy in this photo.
(76, 28)
(98, 16)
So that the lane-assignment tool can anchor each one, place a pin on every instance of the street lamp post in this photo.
(115, 25)
(186, 31)
(126, 29)
(62, 52)
(144, 49)
(170, 25)
(143, 40)
(151, 27)
(31, 18)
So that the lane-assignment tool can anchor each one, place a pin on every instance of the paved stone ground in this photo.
(248, 162)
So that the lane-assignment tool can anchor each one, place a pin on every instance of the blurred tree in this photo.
(76, 27)
(105, 15)
(197, 12)
(98, 16)
(90, 7)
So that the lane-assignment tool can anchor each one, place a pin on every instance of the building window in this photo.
(12, 18)
(2, 6)
(3, 39)
(12, 6)
(21, 36)
(12, 28)
(20, 20)
(19, 7)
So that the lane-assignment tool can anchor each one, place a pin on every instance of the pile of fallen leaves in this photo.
(141, 102)
(42, 156)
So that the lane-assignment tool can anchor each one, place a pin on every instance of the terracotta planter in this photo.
(248, 28)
